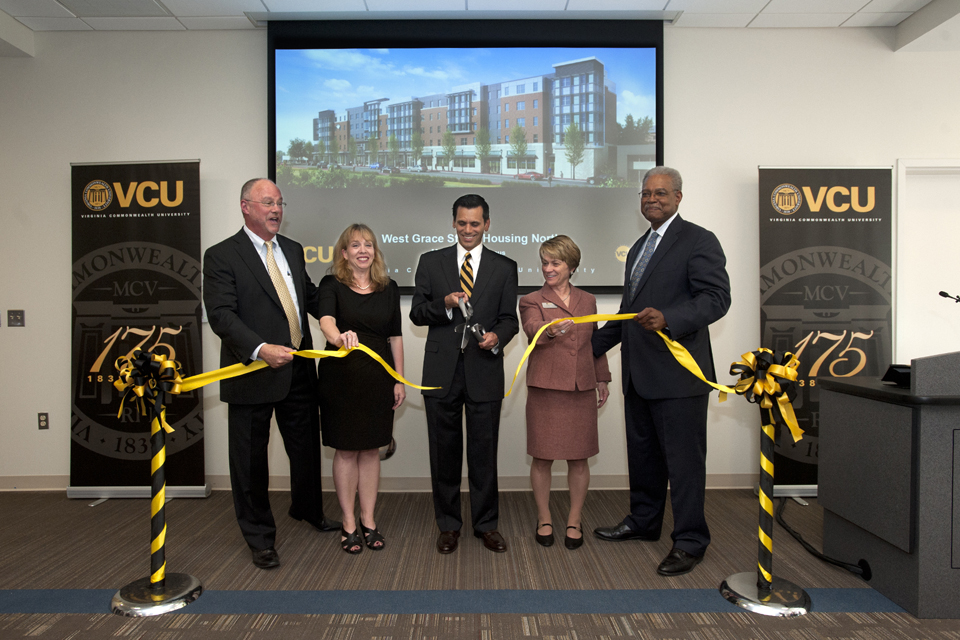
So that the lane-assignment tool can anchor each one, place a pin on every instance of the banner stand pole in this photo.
(160, 592)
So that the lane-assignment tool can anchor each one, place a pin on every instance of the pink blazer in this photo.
(565, 363)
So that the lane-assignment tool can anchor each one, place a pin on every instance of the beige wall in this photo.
(735, 99)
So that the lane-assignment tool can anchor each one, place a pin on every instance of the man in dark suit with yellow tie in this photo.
(469, 371)
(677, 283)
(257, 295)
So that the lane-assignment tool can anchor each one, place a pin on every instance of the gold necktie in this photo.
(466, 276)
(288, 307)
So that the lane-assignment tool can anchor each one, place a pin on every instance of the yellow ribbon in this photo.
(201, 379)
(678, 351)
(596, 317)
(769, 383)
(143, 377)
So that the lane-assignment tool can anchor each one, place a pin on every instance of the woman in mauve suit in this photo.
(566, 386)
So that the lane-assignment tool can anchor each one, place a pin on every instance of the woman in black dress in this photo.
(359, 303)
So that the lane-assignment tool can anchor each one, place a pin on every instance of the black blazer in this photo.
(244, 310)
(494, 303)
(687, 281)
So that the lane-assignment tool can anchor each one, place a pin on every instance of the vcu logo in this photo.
(97, 195)
(786, 199)
(622, 253)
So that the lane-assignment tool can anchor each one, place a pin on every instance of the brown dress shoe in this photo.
(492, 540)
(447, 542)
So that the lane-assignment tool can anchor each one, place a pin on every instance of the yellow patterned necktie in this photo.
(288, 307)
(466, 276)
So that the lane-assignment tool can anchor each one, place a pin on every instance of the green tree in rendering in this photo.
(334, 150)
(483, 147)
(372, 146)
(321, 151)
(297, 149)
(574, 146)
(352, 149)
(394, 147)
(308, 151)
(643, 129)
(416, 147)
(279, 157)
(449, 144)
(518, 144)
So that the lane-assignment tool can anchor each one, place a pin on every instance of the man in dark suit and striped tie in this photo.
(470, 372)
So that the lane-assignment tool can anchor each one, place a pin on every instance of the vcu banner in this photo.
(136, 285)
(825, 287)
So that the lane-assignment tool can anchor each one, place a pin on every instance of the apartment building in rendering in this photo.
(447, 131)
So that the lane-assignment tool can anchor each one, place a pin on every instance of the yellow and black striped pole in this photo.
(765, 551)
(150, 381)
(767, 379)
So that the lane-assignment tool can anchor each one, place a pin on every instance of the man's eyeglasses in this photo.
(268, 203)
(659, 193)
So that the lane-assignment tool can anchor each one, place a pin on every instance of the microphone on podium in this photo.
(944, 294)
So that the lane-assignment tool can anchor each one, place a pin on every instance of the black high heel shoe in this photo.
(573, 543)
(547, 540)
(351, 542)
(372, 537)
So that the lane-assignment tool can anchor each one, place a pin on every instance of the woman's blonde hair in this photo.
(562, 248)
(341, 268)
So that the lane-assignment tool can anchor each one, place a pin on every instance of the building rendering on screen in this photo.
(561, 124)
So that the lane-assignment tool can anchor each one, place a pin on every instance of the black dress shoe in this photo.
(265, 558)
(623, 532)
(492, 540)
(547, 540)
(447, 542)
(678, 562)
(324, 525)
(573, 543)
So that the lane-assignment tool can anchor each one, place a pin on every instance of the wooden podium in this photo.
(889, 482)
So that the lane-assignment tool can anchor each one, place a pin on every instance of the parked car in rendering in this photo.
(375, 165)
(599, 179)
(390, 170)
(530, 175)
(416, 168)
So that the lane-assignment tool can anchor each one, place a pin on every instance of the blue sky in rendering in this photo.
(311, 80)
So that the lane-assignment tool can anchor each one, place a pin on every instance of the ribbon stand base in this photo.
(784, 599)
(140, 599)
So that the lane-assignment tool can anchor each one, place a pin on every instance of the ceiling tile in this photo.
(134, 24)
(114, 8)
(216, 23)
(212, 7)
(34, 8)
(717, 6)
(314, 5)
(514, 5)
(608, 5)
(56, 24)
(814, 6)
(714, 19)
(864, 19)
(895, 6)
(416, 5)
(799, 20)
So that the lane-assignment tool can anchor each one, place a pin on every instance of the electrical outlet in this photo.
(15, 318)
(43, 420)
